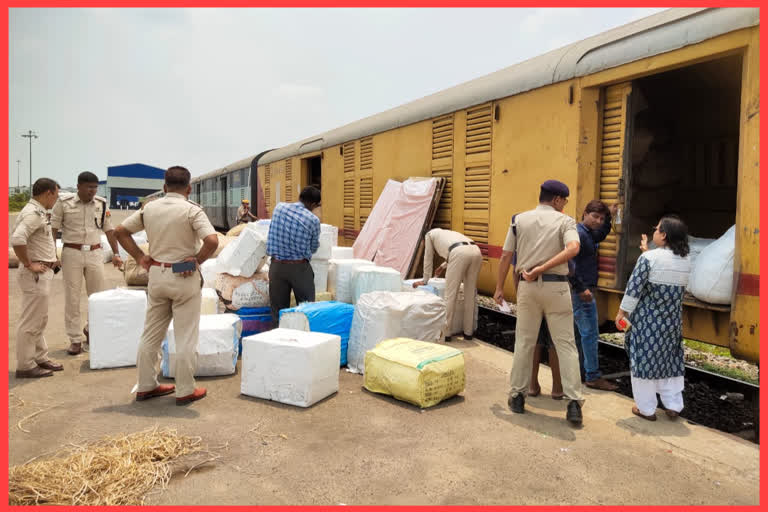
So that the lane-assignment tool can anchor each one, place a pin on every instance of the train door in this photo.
(221, 214)
(311, 176)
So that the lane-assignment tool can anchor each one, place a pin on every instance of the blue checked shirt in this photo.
(294, 232)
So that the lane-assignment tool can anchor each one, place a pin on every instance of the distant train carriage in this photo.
(660, 115)
(220, 192)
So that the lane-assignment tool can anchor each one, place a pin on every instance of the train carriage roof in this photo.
(662, 32)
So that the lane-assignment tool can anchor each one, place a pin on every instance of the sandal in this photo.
(557, 396)
(637, 412)
(534, 393)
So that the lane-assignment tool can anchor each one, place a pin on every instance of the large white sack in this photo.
(332, 231)
(340, 273)
(320, 269)
(342, 253)
(245, 255)
(379, 316)
(106, 249)
(374, 279)
(290, 366)
(138, 237)
(115, 327)
(217, 348)
(711, 279)
(209, 269)
(209, 301)
(696, 245)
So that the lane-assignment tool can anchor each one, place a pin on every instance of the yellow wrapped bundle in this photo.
(417, 372)
(319, 297)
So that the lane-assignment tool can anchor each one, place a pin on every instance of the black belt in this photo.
(549, 277)
(453, 246)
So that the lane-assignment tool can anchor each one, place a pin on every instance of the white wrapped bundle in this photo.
(115, 328)
(407, 285)
(340, 275)
(106, 249)
(711, 279)
(245, 255)
(139, 237)
(379, 316)
(261, 227)
(329, 237)
(342, 253)
(320, 268)
(209, 269)
(217, 349)
(373, 279)
(290, 366)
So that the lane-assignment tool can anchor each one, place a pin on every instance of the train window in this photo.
(236, 179)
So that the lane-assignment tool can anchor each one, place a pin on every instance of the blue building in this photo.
(127, 184)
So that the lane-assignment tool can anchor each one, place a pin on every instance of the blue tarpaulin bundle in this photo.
(330, 317)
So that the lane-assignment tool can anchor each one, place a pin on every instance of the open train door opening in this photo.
(224, 203)
(311, 175)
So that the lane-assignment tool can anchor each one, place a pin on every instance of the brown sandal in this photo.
(74, 349)
(532, 393)
(672, 414)
(557, 396)
(637, 412)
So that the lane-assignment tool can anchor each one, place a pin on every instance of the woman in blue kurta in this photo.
(653, 302)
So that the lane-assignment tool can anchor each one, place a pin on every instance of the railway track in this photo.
(712, 400)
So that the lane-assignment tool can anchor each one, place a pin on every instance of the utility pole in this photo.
(30, 136)
(18, 177)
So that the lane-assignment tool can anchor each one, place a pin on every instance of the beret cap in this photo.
(556, 187)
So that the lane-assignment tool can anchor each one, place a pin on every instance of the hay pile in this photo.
(119, 470)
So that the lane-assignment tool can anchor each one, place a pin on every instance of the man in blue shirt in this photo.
(594, 227)
(294, 235)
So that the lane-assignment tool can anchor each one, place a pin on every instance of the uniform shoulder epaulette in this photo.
(99, 198)
(63, 196)
(194, 203)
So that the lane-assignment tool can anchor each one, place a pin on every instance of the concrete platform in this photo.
(358, 448)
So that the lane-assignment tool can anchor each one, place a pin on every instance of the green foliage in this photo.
(706, 347)
(17, 201)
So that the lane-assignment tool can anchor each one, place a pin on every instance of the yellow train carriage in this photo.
(660, 115)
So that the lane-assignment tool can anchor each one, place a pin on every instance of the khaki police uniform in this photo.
(243, 214)
(175, 227)
(540, 235)
(81, 257)
(464, 261)
(33, 229)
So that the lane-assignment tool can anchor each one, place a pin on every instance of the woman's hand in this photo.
(644, 242)
(620, 316)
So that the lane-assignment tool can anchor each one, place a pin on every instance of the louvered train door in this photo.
(477, 174)
(268, 189)
(442, 166)
(366, 180)
(348, 151)
(289, 181)
(615, 159)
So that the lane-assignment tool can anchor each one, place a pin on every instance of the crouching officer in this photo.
(545, 239)
(174, 227)
(32, 242)
(82, 217)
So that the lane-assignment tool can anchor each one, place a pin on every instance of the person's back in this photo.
(183, 239)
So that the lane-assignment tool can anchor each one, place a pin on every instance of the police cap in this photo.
(556, 187)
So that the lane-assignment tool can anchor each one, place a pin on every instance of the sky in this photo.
(205, 88)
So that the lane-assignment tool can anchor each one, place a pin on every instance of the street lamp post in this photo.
(30, 136)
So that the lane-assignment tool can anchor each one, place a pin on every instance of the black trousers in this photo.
(284, 277)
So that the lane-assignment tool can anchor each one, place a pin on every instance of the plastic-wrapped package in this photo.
(261, 226)
(383, 315)
(711, 279)
(373, 279)
(245, 255)
(209, 304)
(223, 242)
(320, 269)
(106, 249)
(329, 237)
(217, 348)
(289, 366)
(340, 274)
(407, 285)
(115, 327)
(342, 253)
(237, 292)
(696, 245)
(418, 372)
(209, 269)
(139, 237)
(330, 317)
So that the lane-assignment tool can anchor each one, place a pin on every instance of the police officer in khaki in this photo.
(174, 227)
(463, 262)
(82, 217)
(544, 239)
(244, 212)
(34, 246)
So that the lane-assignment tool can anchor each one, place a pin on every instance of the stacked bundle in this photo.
(374, 279)
(329, 237)
(217, 348)
(239, 279)
(340, 273)
(117, 323)
(329, 317)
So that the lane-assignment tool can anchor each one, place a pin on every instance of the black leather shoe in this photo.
(468, 337)
(517, 403)
(448, 338)
(574, 412)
